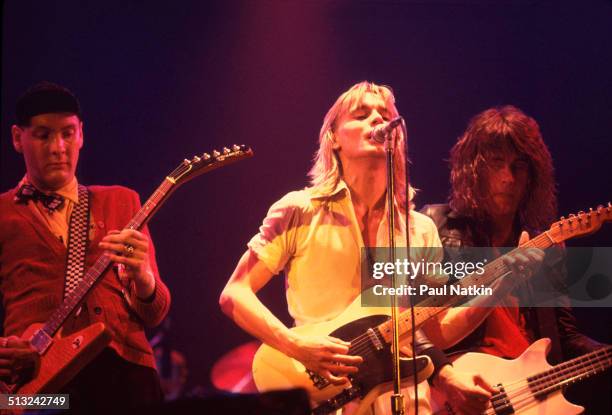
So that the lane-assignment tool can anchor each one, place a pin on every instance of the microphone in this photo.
(383, 131)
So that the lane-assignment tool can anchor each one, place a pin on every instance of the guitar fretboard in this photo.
(571, 371)
(94, 273)
(434, 305)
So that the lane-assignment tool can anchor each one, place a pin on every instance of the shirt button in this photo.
(98, 310)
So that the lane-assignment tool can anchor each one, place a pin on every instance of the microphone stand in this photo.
(410, 281)
(397, 398)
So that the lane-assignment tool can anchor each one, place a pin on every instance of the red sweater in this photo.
(32, 269)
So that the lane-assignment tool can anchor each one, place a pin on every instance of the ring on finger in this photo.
(129, 250)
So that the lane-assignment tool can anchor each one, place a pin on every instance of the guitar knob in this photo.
(205, 156)
(196, 159)
(226, 150)
(186, 162)
(215, 153)
(236, 147)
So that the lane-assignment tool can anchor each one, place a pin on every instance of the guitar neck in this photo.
(434, 305)
(94, 273)
(571, 371)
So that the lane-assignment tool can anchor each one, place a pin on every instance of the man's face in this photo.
(352, 134)
(50, 146)
(506, 176)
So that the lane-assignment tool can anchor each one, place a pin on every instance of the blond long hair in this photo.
(327, 168)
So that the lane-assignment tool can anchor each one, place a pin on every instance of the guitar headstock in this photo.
(206, 162)
(580, 224)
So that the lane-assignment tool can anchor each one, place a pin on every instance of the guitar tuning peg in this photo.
(205, 156)
(235, 147)
(195, 159)
(186, 162)
(226, 150)
(215, 153)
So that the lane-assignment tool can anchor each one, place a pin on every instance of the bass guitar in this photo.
(61, 358)
(528, 385)
(369, 330)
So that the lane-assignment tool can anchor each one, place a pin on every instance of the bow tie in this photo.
(27, 192)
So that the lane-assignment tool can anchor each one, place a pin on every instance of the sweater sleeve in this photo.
(151, 310)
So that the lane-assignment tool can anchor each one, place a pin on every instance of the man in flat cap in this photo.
(53, 228)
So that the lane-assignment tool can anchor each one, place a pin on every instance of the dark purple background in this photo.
(160, 81)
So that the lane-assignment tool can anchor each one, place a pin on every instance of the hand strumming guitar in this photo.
(18, 360)
(325, 355)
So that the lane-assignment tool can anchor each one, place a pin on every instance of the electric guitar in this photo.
(369, 330)
(61, 358)
(528, 385)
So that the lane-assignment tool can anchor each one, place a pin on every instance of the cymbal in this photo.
(232, 372)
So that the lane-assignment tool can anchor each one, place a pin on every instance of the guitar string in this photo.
(537, 387)
(576, 363)
(532, 397)
(361, 345)
(361, 342)
(529, 397)
(599, 361)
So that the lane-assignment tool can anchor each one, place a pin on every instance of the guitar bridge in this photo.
(41, 341)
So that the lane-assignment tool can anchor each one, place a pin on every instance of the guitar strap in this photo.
(78, 237)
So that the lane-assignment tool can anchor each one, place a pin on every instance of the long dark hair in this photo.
(491, 131)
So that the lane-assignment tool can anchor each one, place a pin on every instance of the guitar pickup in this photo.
(374, 339)
(41, 341)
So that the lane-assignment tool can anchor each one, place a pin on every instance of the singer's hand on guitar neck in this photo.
(325, 355)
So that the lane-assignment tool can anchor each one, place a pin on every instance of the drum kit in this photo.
(232, 372)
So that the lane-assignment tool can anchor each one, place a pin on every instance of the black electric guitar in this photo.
(61, 358)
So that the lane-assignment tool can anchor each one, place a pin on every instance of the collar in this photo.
(317, 193)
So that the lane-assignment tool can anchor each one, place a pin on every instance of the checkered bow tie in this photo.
(51, 201)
